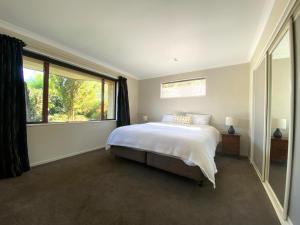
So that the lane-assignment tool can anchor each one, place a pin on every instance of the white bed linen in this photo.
(194, 144)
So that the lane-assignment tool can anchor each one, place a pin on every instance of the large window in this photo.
(56, 93)
(183, 88)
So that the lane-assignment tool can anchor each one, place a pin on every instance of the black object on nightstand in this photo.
(231, 144)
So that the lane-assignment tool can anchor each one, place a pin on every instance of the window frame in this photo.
(184, 80)
(46, 65)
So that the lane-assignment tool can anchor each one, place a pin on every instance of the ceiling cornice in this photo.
(202, 69)
(285, 13)
(267, 9)
(36, 37)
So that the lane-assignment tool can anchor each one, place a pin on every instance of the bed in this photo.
(186, 150)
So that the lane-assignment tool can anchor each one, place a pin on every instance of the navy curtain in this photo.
(13, 138)
(123, 116)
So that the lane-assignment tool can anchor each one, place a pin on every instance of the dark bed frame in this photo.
(162, 162)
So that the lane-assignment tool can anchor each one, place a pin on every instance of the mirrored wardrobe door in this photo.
(259, 117)
(280, 115)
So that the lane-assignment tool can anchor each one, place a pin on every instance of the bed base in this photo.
(166, 163)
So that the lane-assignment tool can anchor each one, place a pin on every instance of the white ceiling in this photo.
(142, 37)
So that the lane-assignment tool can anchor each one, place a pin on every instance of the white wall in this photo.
(227, 95)
(133, 95)
(48, 142)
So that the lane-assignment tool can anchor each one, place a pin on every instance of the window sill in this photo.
(191, 96)
(65, 123)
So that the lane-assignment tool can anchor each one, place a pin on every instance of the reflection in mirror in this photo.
(280, 103)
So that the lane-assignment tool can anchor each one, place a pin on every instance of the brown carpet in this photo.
(96, 188)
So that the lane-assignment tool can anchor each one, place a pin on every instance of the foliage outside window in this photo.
(71, 95)
(34, 82)
(184, 88)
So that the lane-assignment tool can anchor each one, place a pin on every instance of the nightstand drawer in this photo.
(279, 149)
(231, 148)
(231, 144)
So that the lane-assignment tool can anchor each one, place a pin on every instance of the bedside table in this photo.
(231, 144)
(279, 149)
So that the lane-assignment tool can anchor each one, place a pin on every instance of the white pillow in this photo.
(200, 119)
(186, 120)
(168, 118)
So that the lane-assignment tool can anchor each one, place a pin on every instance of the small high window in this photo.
(183, 88)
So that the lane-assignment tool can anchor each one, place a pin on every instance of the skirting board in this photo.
(273, 201)
(64, 156)
(257, 171)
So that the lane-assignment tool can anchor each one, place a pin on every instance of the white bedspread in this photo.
(195, 145)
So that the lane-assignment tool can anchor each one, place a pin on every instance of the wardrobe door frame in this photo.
(262, 174)
(288, 28)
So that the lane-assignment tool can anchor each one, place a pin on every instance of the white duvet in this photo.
(195, 145)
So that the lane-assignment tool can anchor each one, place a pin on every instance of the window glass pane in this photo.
(109, 99)
(34, 81)
(73, 96)
(186, 88)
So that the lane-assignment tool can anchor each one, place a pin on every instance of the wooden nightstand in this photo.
(231, 144)
(279, 149)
